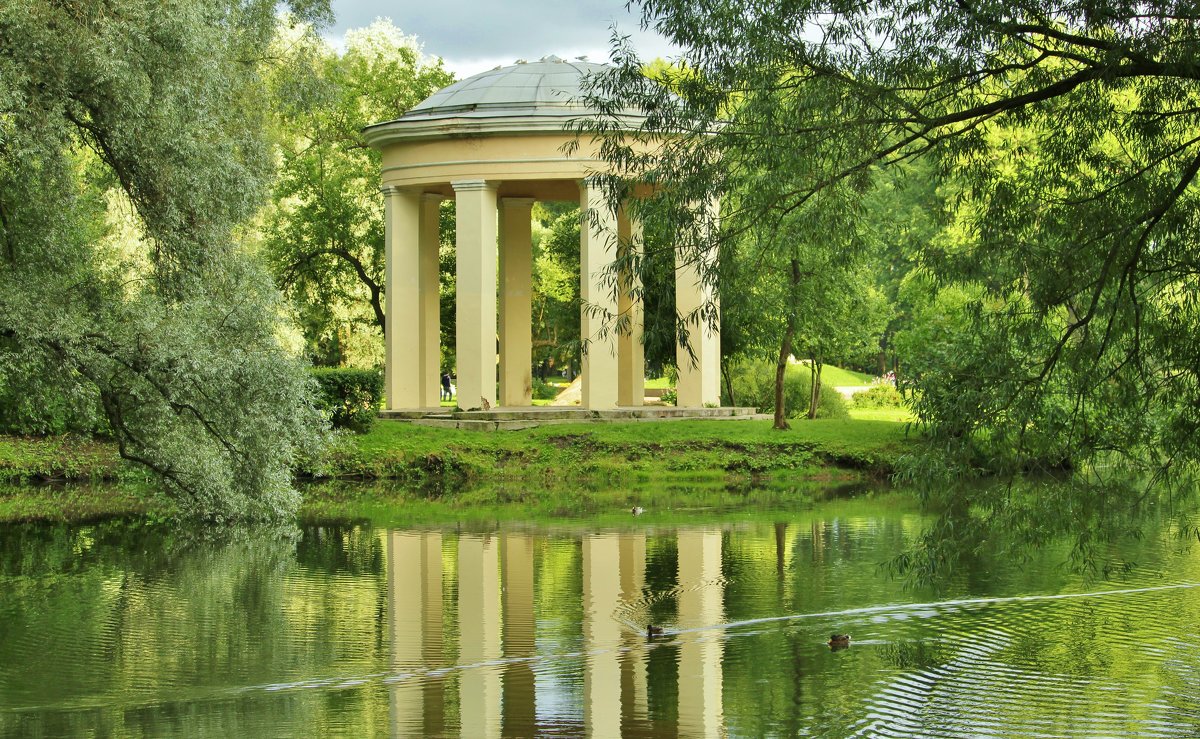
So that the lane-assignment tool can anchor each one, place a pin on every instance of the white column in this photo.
(701, 603)
(516, 306)
(699, 376)
(414, 570)
(402, 366)
(431, 306)
(601, 635)
(635, 689)
(476, 292)
(631, 355)
(519, 695)
(479, 620)
(598, 237)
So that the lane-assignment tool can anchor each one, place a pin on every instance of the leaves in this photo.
(140, 114)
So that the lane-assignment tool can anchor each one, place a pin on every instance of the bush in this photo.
(36, 400)
(351, 397)
(754, 384)
(879, 396)
(544, 390)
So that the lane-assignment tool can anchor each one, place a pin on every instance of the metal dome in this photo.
(549, 86)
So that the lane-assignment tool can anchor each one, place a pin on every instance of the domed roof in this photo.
(550, 85)
(541, 97)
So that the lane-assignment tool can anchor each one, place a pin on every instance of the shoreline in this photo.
(70, 479)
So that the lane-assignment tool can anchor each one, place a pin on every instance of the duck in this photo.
(653, 631)
(637, 510)
(839, 641)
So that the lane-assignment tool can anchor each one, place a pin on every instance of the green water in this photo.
(511, 628)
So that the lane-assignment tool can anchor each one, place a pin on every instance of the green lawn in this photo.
(893, 415)
(611, 451)
(837, 377)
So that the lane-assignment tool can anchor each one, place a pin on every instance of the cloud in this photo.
(473, 36)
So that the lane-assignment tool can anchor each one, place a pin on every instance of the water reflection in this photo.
(414, 569)
(516, 630)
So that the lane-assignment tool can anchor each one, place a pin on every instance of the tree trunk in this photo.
(785, 349)
(725, 373)
(814, 396)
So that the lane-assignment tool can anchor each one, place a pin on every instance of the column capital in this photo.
(389, 190)
(469, 185)
(518, 202)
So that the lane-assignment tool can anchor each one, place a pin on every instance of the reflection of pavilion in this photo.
(495, 143)
(414, 570)
(496, 630)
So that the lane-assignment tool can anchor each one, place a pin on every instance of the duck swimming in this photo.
(637, 510)
(653, 631)
(839, 641)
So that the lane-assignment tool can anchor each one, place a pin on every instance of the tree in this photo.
(324, 231)
(1068, 132)
(134, 112)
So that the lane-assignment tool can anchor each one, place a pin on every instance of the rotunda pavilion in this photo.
(496, 142)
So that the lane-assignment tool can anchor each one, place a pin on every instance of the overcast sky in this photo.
(476, 35)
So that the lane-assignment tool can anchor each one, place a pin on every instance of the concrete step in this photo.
(611, 416)
(538, 413)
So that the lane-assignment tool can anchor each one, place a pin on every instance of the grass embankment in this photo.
(590, 466)
(831, 448)
(58, 458)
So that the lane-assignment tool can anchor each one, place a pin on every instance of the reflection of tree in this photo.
(136, 613)
(981, 528)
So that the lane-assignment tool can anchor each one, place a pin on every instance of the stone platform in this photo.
(511, 419)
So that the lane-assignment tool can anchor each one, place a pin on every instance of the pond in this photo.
(518, 628)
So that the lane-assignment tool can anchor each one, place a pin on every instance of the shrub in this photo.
(670, 396)
(35, 400)
(543, 390)
(350, 396)
(879, 396)
(754, 384)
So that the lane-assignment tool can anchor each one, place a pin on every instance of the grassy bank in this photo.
(60, 458)
(590, 465)
(393, 450)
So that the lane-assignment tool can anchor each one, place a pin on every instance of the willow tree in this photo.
(131, 150)
(1071, 132)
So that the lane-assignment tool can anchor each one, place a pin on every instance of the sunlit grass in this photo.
(894, 415)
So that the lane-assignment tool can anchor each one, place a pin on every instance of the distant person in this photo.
(447, 391)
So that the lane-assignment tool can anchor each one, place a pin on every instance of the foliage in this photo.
(754, 385)
(1067, 135)
(131, 150)
(555, 300)
(36, 402)
(350, 397)
(903, 214)
(556, 303)
(879, 396)
(791, 276)
(323, 234)
(544, 390)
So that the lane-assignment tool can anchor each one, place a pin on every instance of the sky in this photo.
(473, 36)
